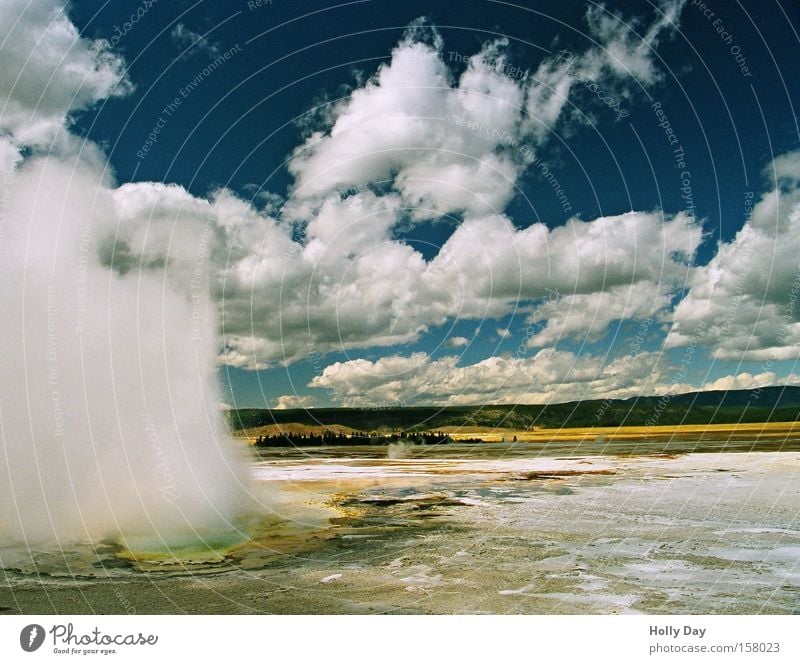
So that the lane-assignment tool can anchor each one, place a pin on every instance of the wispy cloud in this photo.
(191, 42)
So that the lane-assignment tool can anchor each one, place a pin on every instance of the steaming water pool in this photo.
(461, 529)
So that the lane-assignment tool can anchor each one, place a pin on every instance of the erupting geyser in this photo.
(110, 421)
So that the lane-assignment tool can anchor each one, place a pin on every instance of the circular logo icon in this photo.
(31, 637)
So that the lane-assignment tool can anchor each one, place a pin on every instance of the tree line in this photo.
(329, 439)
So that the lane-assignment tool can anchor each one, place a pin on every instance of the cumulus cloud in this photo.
(331, 292)
(417, 141)
(349, 285)
(549, 376)
(50, 71)
(748, 381)
(456, 342)
(289, 401)
(586, 317)
(444, 146)
(488, 266)
(457, 145)
(743, 304)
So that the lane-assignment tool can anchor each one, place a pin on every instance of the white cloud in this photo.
(488, 266)
(290, 401)
(411, 126)
(416, 141)
(50, 71)
(192, 42)
(748, 381)
(549, 376)
(743, 304)
(336, 291)
(586, 317)
(624, 52)
(626, 47)
(456, 342)
(350, 285)
(458, 146)
(351, 226)
(546, 377)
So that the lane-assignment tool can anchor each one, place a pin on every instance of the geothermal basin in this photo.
(489, 528)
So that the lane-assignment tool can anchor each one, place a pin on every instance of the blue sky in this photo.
(470, 202)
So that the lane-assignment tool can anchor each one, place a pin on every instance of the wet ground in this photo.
(496, 528)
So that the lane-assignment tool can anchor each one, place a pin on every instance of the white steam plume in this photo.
(109, 414)
(110, 422)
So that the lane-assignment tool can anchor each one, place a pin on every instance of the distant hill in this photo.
(769, 404)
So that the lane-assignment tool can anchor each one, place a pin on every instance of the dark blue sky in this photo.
(731, 101)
